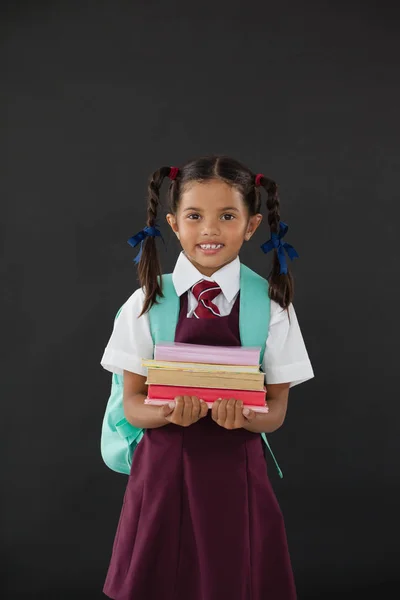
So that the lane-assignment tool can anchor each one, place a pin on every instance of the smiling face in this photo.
(211, 223)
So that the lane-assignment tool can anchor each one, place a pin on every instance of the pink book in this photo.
(199, 353)
(161, 394)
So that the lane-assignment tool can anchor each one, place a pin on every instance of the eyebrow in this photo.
(222, 209)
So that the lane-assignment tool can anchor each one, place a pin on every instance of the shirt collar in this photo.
(185, 275)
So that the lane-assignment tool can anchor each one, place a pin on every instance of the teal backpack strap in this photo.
(254, 316)
(264, 437)
(254, 308)
(162, 328)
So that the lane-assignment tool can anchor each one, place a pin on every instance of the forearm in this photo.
(143, 415)
(272, 420)
(265, 422)
(277, 399)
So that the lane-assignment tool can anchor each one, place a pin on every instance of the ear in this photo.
(171, 219)
(252, 225)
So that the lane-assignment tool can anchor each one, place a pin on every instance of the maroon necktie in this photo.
(205, 292)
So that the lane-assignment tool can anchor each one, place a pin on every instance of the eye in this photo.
(231, 217)
(195, 215)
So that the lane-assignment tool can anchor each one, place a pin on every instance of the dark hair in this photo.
(203, 169)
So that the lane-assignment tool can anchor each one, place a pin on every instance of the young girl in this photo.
(200, 520)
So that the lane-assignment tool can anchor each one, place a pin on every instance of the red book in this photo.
(169, 392)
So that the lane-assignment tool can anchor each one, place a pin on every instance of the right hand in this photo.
(186, 410)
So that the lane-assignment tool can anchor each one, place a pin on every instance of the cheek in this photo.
(186, 229)
(237, 230)
(189, 224)
(182, 226)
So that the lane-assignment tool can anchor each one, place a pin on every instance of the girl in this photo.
(200, 520)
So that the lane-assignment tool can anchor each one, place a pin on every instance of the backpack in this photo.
(118, 437)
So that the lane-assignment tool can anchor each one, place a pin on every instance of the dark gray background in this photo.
(94, 97)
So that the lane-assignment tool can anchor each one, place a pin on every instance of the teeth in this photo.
(210, 246)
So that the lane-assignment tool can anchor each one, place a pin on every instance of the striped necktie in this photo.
(205, 292)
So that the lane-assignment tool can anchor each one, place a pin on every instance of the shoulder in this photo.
(132, 307)
(254, 283)
(281, 315)
(136, 298)
(277, 310)
(246, 271)
(286, 358)
(130, 340)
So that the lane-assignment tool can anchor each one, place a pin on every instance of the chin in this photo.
(214, 261)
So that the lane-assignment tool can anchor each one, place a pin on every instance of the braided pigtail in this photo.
(149, 266)
(281, 285)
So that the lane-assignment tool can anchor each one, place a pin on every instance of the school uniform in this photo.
(200, 520)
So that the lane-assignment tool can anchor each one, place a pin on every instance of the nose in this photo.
(211, 227)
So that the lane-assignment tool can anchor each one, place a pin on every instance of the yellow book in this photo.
(198, 367)
(221, 380)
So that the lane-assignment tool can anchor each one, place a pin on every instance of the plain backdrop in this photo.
(94, 97)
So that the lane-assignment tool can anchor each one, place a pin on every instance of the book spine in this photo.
(169, 392)
(205, 380)
(162, 365)
(217, 356)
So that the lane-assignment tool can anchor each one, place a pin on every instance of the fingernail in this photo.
(246, 412)
(171, 404)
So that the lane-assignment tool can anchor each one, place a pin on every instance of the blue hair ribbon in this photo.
(276, 242)
(140, 237)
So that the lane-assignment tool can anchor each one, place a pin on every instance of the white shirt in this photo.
(285, 358)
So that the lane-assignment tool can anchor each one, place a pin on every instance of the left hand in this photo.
(229, 413)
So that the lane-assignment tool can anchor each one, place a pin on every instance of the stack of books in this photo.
(208, 372)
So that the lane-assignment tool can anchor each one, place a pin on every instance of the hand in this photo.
(230, 413)
(184, 410)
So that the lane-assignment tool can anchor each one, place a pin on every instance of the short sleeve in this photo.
(130, 340)
(286, 359)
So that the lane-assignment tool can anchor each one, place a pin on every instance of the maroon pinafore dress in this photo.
(200, 520)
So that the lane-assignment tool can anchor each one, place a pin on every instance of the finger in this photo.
(214, 409)
(230, 413)
(222, 412)
(249, 414)
(239, 414)
(195, 408)
(187, 411)
(167, 409)
(203, 409)
(178, 412)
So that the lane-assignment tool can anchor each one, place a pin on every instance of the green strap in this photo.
(264, 437)
(254, 308)
(127, 431)
(163, 329)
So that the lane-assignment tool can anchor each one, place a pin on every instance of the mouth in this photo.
(210, 249)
